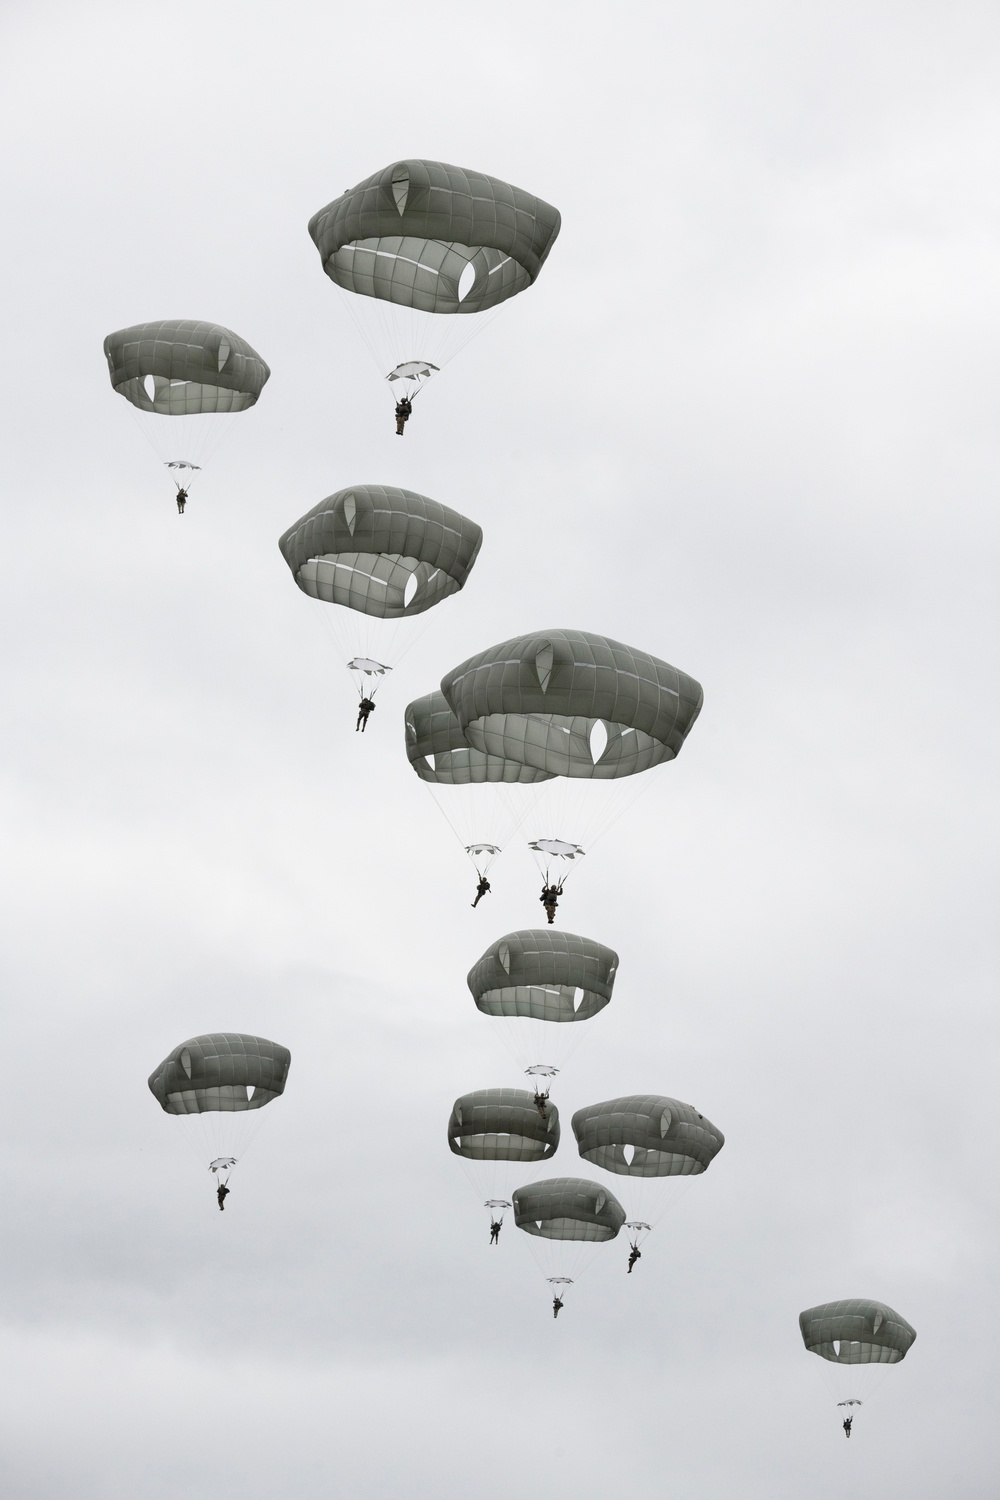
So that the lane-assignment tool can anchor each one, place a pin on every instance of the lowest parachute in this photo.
(380, 555)
(857, 1339)
(566, 1217)
(495, 1132)
(649, 1139)
(184, 369)
(431, 240)
(213, 1082)
(586, 710)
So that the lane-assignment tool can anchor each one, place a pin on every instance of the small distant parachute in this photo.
(380, 555)
(535, 984)
(483, 798)
(215, 1083)
(496, 1132)
(586, 710)
(196, 373)
(566, 1219)
(430, 240)
(650, 1139)
(857, 1339)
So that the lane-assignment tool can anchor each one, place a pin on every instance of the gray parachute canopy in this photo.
(223, 1070)
(856, 1331)
(179, 366)
(406, 234)
(538, 698)
(545, 974)
(439, 752)
(502, 1125)
(669, 1139)
(361, 546)
(568, 1208)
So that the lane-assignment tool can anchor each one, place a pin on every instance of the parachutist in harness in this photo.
(403, 411)
(847, 1425)
(634, 1254)
(550, 900)
(482, 889)
(365, 707)
(182, 496)
(222, 1193)
(557, 1303)
(541, 1100)
(495, 1227)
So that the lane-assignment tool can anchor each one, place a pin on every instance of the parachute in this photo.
(497, 1131)
(649, 1139)
(382, 555)
(536, 981)
(198, 374)
(857, 1340)
(213, 1083)
(483, 798)
(567, 1218)
(429, 240)
(589, 711)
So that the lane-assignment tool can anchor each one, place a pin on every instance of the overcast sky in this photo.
(746, 420)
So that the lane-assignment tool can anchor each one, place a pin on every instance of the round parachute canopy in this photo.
(502, 1125)
(382, 551)
(181, 367)
(225, 1071)
(856, 1332)
(568, 1208)
(483, 798)
(408, 233)
(572, 703)
(544, 975)
(439, 752)
(646, 1135)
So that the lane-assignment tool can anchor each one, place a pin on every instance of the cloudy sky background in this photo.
(746, 420)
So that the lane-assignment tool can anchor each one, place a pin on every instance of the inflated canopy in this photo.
(856, 1332)
(502, 1125)
(179, 366)
(439, 752)
(539, 699)
(223, 1070)
(646, 1135)
(362, 546)
(406, 235)
(568, 1208)
(545, 974)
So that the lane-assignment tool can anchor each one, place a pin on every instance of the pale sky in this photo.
(745, 420)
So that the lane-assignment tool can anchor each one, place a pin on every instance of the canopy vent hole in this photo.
(250, 1089)
(578, 997)
(349, 510)
(410, 591)
(598, 740)
(466, 281)
(149, 386)
(225, 349)
(401, 188)
(186, 1061)
(836, 1347)
(430, 761)
(628, 1152)
(503, 954)
(543, 664)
